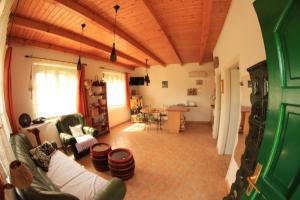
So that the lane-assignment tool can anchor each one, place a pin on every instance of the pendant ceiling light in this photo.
(79, 59)
(113, 55)
(147, 79)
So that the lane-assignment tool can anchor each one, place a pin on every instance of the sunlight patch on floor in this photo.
(136, 127)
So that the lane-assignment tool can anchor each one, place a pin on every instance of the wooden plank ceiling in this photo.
(164, 31)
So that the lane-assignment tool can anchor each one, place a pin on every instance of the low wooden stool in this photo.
(121, 163)
(99, 156)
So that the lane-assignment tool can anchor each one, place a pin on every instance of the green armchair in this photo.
(65, 135)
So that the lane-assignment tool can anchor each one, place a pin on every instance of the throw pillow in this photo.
(47, 148)
(76, 130)
(40, 158)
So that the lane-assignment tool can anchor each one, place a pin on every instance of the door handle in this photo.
(253, 179)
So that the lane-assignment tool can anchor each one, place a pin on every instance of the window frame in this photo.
(122, 75)
(55, 66)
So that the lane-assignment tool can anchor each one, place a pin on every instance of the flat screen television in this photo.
(136, 80)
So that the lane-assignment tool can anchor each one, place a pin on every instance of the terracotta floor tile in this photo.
(169, 166)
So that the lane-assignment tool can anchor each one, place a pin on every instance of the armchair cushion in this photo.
(40, 157)
(41, 154)
(76, 130)
(47, 148)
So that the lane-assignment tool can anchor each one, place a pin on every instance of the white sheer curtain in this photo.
(6, 154)
(54, 89)
(115, 86)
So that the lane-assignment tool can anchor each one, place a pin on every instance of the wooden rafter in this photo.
(205, 27)
(91, 15)
(47, 28)
(162, 27)
(44, 45)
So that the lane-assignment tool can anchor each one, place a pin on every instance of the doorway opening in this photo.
(245, 86)
(230, 111)
(234, 109)
(217, 108)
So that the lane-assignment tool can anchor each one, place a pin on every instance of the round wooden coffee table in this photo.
(99, 156)
(121, 163)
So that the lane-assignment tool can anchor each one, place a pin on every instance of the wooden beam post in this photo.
(44, 45)
(47, 28)
(89, 14)
(162, 27)
(205, 27)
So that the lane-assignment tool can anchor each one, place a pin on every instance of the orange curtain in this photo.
(8, 91)
(127, 90)
(80, 99)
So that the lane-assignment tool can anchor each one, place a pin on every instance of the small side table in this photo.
(34, 129)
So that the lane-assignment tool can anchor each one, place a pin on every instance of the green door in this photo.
(280, 150)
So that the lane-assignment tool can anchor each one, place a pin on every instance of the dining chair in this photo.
(163, 115)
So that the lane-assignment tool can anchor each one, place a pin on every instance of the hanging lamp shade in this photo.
(147, 78)
(79, 58)
(79, 63)
(113, 55)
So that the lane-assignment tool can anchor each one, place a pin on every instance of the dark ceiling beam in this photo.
(44, 45)
(50, 29)
(205, 27)
(163, 28)
(87, 13)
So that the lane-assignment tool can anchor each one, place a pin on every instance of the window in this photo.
(54, 89)
(115, 87)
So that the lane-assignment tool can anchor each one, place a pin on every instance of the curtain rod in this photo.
(111, 69)
(41, 58)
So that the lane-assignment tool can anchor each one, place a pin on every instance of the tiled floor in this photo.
(168, 165)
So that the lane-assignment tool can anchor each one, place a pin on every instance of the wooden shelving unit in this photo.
(96, 98)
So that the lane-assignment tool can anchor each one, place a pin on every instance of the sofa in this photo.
(49, 185)
(65, 135)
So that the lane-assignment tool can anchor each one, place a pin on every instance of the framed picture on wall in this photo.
(192, 92)
(199, 82)
(164, 84)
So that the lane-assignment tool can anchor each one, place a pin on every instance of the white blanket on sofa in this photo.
(72, 178)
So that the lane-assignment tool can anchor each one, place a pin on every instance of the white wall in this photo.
(178, 83)
(21, 68)
(240, 43)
